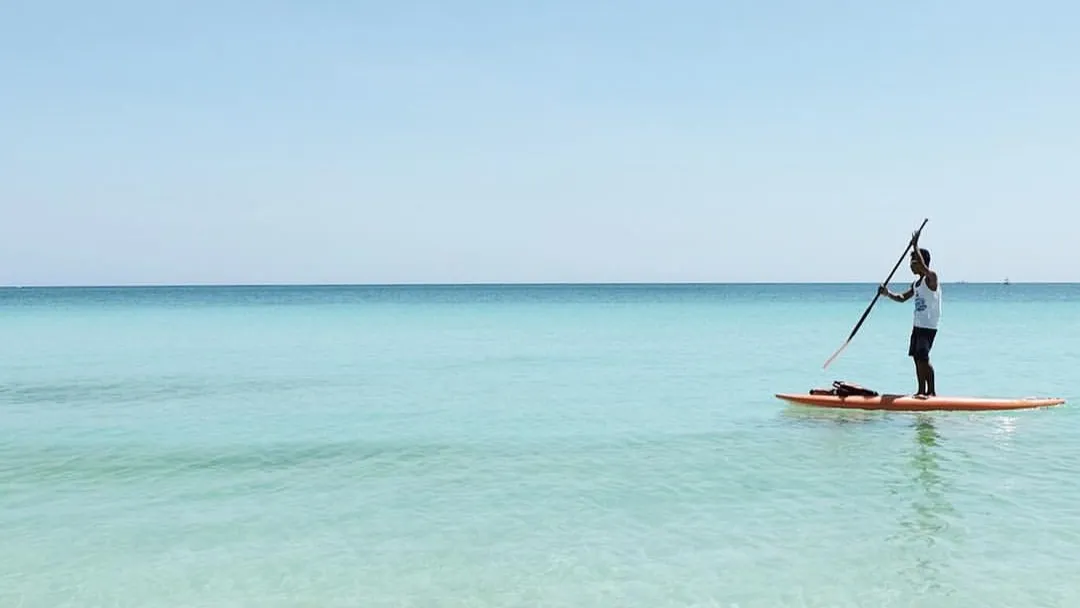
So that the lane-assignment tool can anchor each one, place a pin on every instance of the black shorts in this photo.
(922, 340)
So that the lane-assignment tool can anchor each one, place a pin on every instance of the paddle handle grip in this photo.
(901, 260)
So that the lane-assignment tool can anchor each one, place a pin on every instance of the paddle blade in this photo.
(836, 354)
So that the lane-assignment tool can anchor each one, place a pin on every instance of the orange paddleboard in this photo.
(908, 403)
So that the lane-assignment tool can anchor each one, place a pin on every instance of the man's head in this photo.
(915, 261)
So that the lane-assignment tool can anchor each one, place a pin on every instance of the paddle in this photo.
(874, 301)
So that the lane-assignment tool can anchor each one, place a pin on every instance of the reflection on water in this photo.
(925, 525)
(837, 416)
(919, 485)
(1003, 431)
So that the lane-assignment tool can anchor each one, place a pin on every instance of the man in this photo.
(927, 293)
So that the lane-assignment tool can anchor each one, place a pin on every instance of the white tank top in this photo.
(927, 305)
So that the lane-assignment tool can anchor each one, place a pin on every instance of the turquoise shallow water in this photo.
(529, 446)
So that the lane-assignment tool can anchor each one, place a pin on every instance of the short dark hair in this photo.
(925, 255)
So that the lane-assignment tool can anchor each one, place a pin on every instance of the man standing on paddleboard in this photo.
(927, 293)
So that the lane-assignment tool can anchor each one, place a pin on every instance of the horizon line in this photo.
(501, 284)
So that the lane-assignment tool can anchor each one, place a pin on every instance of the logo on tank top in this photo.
(920, 299)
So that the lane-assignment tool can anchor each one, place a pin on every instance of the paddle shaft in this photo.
(885, 282)
(876, 296)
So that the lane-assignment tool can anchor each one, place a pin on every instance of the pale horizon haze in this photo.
(477, 141)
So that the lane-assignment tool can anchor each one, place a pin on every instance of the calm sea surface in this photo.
(529, 446)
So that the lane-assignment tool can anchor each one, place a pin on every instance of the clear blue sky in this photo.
(354, 142)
